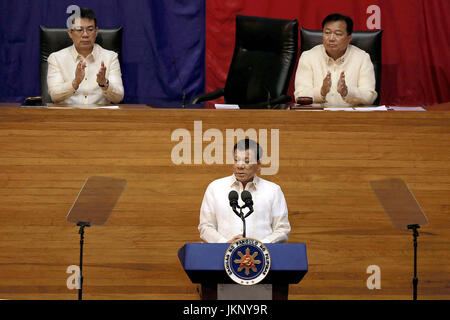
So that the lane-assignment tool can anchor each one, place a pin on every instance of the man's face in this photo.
(83, 34)
(335, 38)
(245, 165)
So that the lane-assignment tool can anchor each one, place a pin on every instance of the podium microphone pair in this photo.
(248, 203)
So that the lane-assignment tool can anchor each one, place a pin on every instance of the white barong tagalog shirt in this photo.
(314, 65)
(61, 73)
(268, 223)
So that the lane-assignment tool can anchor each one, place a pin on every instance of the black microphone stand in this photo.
(244, 217)
(244, 228)
(82, 225)
(241, 215)
(415, 281)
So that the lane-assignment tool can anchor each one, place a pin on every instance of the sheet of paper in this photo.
(226, 106)
(81, 106)
(377, 108)
(395, 108)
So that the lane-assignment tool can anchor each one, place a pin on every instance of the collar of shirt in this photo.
(329, 60)
(78, 57)
(254, 182)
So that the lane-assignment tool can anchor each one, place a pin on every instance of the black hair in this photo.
(339, 17)
(87, 13)
(249, 144)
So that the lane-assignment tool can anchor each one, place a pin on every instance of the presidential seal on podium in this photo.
(247, 261)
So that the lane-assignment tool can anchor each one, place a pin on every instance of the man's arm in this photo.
(280, 222)
(114, 92)
(364, 93)
(57, 88)
(208, 222)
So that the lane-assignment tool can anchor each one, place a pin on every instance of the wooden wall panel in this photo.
(326, 162)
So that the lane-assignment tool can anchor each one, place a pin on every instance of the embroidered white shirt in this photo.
(268, 223)
(61, 72)
(314, 65)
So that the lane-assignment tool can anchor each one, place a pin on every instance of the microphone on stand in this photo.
(183, 103)
(248, 203)
(233, 197)
(247, 198)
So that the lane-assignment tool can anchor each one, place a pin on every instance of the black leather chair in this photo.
(55, 39)
(264, 57)
(369, 41)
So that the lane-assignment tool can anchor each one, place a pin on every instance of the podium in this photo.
(204, 264)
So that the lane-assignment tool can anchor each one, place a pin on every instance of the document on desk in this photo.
(226, 106)
(109, 107)
(81, 106)
(375, 108)
(338, 109)
(397, 108)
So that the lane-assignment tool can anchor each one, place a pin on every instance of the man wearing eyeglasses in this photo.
(336, 73)
(84, 73)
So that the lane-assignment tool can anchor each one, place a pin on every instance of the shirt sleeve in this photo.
(304, 80)
(58, 89)
(364, 93)
(115, 91)
(208, 222)
(280, 222)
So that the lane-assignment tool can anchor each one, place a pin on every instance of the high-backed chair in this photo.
(55, 39)
(264, 57)
(369, 41)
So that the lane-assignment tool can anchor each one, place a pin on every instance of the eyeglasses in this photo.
(80, 30)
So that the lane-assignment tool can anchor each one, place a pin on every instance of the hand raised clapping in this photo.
(342, 86)
(79, 74)
(101, 75)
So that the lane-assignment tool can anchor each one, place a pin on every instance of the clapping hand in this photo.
(101, 75)
(79, 74)
(326, 85)
(342, 86)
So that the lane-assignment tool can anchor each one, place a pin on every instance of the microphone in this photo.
(183, 103)
(233, 197)
(247, 198)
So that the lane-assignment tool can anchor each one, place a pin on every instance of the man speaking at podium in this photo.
(268, 223)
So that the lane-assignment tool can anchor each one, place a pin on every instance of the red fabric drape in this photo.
(416, 55)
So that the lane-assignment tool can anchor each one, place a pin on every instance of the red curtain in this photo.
(416, 55)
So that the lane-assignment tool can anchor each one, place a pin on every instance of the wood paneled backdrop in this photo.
(326, 162)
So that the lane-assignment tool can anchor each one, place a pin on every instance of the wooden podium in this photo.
(204, 264)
